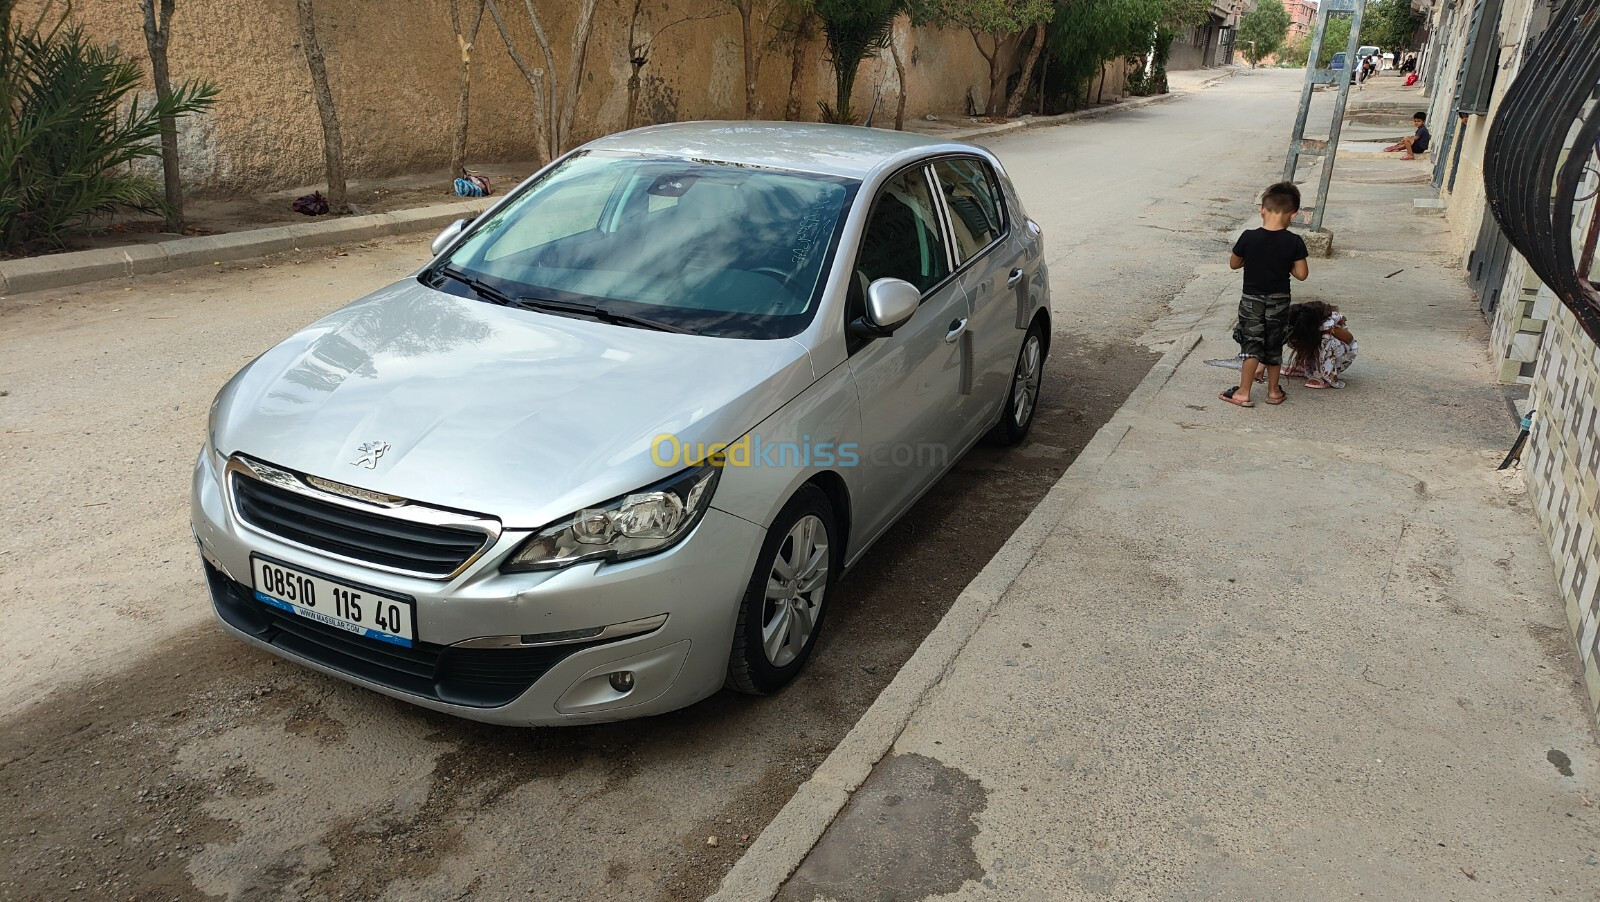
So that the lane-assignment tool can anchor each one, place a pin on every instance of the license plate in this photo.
(360, 611)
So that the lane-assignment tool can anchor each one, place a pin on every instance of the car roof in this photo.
(842, 150)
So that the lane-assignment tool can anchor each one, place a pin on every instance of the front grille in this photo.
(368, 537)
(475, 677)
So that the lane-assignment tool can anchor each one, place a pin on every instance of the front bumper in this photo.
(698, 584)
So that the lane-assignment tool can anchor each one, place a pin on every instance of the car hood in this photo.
(521, 415)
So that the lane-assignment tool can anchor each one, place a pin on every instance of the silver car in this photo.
(611, 450)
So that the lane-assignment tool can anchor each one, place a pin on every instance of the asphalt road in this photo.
(144, 755)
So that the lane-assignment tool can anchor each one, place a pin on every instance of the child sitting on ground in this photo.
(1413, 144)
(1322, 344)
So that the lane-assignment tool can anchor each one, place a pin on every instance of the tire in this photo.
(1022, 399)
(767, 651)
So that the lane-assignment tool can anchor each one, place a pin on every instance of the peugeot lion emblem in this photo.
(370, 452)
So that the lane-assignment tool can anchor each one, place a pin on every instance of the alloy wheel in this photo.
(795, 586)
(1025, 385)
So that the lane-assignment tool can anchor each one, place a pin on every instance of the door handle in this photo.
(957, 327)
(1014, 278)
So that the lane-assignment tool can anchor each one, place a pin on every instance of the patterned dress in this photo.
(1333, 357)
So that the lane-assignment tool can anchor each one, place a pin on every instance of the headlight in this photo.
(644, 522)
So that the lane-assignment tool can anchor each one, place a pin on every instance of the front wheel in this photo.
(1022, 401)
(781, 614)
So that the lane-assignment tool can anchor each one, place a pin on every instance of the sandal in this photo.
(1317, 383)
(1228, 396)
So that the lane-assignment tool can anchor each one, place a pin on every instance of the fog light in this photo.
(622, 681)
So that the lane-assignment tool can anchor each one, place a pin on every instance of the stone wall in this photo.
(394, 70)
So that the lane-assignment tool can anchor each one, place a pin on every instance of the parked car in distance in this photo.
(611, 449)
(1367, 50)
(1338, 61)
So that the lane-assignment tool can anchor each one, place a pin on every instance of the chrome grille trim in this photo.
(398, 509)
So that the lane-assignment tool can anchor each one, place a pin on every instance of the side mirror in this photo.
(890, 304)
(448, 235)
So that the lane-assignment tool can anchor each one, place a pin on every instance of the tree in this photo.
(71, 125)
(1392, 24)
(465, 38)
(755, 17)
(554, 109)
(640, 49)
(1263, 29)
(1335, 39)
(157, 29)
(1293, 53)
(1086, 34)
(332, 143)
(853, 31)
(1004, 23)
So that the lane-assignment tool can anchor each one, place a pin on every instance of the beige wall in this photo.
(394, 67)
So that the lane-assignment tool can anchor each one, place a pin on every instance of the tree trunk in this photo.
(332, 145)
(580, 52)
(535, 80)
(465, 38)
(752, 56)
(156, 32)
(804, 32)
(1015, 106)
(900, 80)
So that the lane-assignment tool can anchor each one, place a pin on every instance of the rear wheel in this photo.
(1022, 401)
(781, 614)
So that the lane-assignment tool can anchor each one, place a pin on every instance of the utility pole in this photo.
(1299, 144)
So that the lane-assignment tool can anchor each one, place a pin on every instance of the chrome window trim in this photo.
(601, 634)
(398, 508)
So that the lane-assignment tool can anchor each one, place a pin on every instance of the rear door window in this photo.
(976, 210)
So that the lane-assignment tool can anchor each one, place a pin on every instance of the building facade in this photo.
(1474, 52)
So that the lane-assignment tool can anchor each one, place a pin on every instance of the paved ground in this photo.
(1301, 652)
(144, 755)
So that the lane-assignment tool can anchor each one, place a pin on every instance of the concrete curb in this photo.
(983, 131)
(58, 271)
(763, 869)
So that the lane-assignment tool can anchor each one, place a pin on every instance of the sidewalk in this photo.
(1298, 652)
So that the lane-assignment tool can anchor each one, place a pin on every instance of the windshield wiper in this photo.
(600, 313)
(479, 287)
(494, 295)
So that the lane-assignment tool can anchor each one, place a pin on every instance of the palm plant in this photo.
(74, 125)
(853, 30)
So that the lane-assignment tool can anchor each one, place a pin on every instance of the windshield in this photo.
(693, 245)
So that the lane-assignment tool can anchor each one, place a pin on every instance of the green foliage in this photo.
(1335, 39)
(989, 16)
(1177, 15)
(73, 125)
(1293, 53)
(1262, 30)
(1086, 34)
(853, 31)
(1391, 24)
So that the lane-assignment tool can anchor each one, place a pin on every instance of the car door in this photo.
(991, 272)
(909, 383)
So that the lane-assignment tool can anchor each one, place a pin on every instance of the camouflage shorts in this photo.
(1262, 322)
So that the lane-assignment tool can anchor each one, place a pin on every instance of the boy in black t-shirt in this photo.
(1269, 256)
(1416, 143)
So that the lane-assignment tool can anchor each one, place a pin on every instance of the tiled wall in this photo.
(1563, 472)
(1519, 323)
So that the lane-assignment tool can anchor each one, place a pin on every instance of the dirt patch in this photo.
(906, 834)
